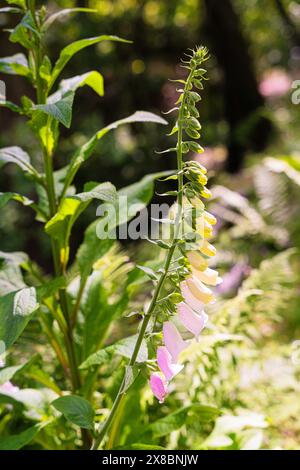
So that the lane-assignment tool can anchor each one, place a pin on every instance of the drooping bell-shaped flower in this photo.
(199, 290)
(158, 386)
(191, 320)
(210, 218)
(173, 340)
(207, 248)
(190, 299)
(208, 276)
(164, 361)
(197, 261)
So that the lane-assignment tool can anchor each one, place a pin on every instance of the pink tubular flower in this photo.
(158, 386)
(190, 299)
(164, 361)
(192, 321)
(173, 341)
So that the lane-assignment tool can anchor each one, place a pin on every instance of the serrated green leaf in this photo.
(76, 409)
(150, 273)
(131, 373)
(138, 116)
(69, 51)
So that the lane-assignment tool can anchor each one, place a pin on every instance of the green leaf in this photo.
(76, 409)
(6, 197)
(20, 3)
(61, 223)
(138, 116)
(150, 273)
(17, 441)
(25, 33)
(92, 79)
(18, 156)
(131, 373)
(17, 308)
(124, 348)
(138, 195)
(60, 110)
(65, 12)
(11, 278)
(87, 149)
(15, 65)
(9, 105)
(176, 420)
(68, 52)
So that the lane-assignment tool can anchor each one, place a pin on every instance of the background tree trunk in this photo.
(242, 100)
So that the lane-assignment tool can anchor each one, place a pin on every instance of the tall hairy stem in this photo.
(52, 201)
(121, 395)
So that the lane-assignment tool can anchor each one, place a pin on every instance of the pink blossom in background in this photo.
(275, 84)
(164, 361)
(158, 386)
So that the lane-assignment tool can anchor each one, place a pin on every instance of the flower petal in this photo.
(158, 386)
(209, 276)
(190, 299)
(192, 321)
(197, 261)
(199, 290)
(164, 361)
(173, 340)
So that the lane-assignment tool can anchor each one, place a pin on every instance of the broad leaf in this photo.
(60, 110)
(92, 79)
(76, 409)
(17, 308)
(123, 348)
(176, 420)
(138, 116)
(17, 441)
(138, 196)
(15, 65)
(25, 32)
(87, 149)
(18, 156)
(60, 225)
(11, 278)
(68, 52)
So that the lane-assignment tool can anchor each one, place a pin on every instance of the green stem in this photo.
(50, 187)
(120, 395)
